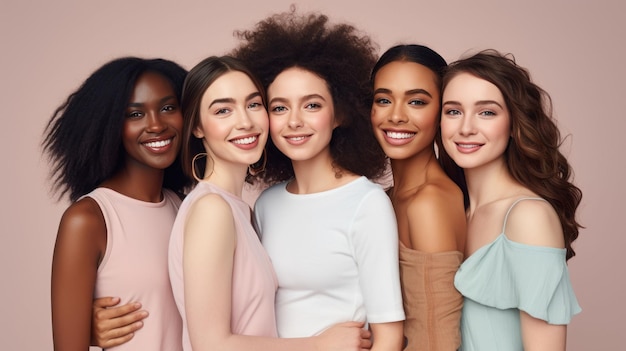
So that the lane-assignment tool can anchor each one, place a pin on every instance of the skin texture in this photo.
(475, 132)
(301, 124)
(152, 114)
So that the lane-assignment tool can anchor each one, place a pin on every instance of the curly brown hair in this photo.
(533, 157)
(340, 55)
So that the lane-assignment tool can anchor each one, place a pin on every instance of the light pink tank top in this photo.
(134, 266)
(254, 281)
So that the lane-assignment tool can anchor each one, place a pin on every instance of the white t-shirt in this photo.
(335, 254)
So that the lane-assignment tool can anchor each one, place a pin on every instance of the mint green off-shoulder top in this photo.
(505, 277)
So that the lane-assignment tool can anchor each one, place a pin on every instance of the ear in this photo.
(198, 133)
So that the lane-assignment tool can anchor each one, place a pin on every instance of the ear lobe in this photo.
(197, 132)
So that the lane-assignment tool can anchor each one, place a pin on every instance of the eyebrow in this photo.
(477, 103)
(162, 100)
(304, 98)
(232, 101)
(408, 92)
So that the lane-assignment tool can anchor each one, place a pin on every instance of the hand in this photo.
(113, 326)
(349, 336)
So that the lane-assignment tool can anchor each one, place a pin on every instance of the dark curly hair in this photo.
(83, 137)
(533, 157)
(430, 59)
(340, 55)
(198, 80)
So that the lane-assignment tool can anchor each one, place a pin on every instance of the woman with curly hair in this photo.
(428, 204)
(114, 147)
(330, 232)
(496, 124)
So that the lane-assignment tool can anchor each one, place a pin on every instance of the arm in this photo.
(80, 244)
(375, 240)
(388, 336)
(209, 246)
(538, 335)
(536, 223)
(115, 325)
(437, 220)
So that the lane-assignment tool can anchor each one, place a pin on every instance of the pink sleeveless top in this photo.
(134, 266)
(254, 281)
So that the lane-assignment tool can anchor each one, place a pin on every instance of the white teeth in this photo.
(467, 146)
(157, 144)
(296, 138)
(399, 135)
(245, 141)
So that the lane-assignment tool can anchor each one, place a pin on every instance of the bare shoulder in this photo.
(82, 232)
(436, 218)
(437, 199)
(210, 207)
(534, 222)
(83, 217)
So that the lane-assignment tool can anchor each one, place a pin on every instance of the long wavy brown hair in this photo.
(533, 157)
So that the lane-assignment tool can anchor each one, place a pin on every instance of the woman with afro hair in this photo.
(330, 232)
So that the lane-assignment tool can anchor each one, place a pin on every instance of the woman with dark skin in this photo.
(496, 124)
(114, 149)
(428, 204)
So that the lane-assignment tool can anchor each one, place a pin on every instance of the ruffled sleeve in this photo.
(507, 274)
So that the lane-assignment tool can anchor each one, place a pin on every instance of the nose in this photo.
(155, 123)
(467, 126)
(294, 120)
(397, 114)
(244, 121)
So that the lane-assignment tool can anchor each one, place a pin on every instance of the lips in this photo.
(159, 146)
(468, 147)
(399, 135)
(246, 142)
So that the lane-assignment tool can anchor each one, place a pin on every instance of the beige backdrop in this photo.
(574, 49)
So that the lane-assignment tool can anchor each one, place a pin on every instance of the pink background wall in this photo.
(574, 49)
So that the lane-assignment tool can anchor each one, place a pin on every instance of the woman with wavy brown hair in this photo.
(497, 125)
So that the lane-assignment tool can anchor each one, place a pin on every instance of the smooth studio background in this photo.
(574, 49)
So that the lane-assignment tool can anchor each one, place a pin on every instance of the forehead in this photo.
(151, 84)
(405, 74)
(232, 84)
(296, 81)
(468, 87)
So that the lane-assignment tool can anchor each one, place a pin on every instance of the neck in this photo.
(229, 177)
(145, 184)
(412, 172)
(489, 183)
(317, 175)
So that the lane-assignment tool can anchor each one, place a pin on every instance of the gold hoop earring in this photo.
(193, 165)
(259, 166)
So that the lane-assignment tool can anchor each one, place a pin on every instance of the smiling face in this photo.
(233, 120)
(152, 127)
(475, 122)
(301, 115)
(405, 111)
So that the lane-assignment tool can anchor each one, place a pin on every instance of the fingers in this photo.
(366, 334)
(115, 312)
(352, 324)
(109, 320)
(103, 302)
(110, 343)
